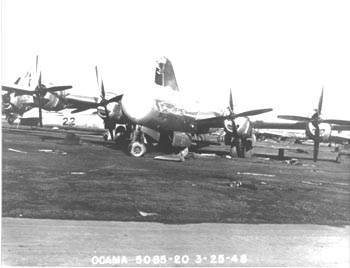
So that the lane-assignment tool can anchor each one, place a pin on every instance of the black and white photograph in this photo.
(163, 133)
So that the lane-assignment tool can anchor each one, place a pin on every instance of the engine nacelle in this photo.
(325, 131)
(114, 111)
(16, 104)
(51, 102)
(243, 125)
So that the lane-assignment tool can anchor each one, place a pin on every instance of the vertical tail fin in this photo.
(164, 75)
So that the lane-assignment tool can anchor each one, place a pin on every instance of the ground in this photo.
(72, 202)
(97, 181)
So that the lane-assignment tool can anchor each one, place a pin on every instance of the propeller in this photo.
(233, 116)
(104, 102)
(41, 90)
(315, 120)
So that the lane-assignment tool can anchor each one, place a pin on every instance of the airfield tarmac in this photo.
(62, 204)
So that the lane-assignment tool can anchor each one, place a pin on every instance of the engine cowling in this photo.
(51, 102)
(114, 110)
(243, 125)
(325, 131)
(6, 104)
(16, 104)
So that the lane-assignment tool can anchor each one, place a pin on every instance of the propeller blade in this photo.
(234, 128)
(98, 82)
(107, 122)
(40, 112)
(254, 112)
(115, 99)
(58, 88)
(294, 118)
(319, 109)
(36, 66)
(39, 81)
(316, 142)
(337, 122)
(103, 93)
(316, 149)
(231, 101)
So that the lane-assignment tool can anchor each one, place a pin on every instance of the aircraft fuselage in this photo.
(161, 110)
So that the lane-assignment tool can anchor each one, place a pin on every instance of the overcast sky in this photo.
(276, 54)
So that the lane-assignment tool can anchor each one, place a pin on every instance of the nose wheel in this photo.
(137, 149)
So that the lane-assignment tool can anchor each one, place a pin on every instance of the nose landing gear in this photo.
(137, 147)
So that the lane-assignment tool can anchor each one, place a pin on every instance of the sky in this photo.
(271, 54)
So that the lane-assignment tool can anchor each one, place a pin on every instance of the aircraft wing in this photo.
(81, 103)
(274, 125)
(280, 134)
(339, 139)
(219, 121)
(295, 126)
(18, 90)
(212, 122)
(340, 127)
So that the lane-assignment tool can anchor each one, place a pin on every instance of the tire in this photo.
(137, 149)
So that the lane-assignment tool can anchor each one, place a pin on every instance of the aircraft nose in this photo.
(137, 107)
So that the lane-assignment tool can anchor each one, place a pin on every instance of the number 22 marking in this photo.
(68, 121)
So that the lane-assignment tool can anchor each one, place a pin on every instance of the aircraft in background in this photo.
(316, 128)
(158, 115)
(28, 92)
(338, 135)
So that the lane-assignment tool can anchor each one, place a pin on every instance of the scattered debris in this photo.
(172, 157)
(263, 158)
(55, 128)
(197, 155)
(256, 174)
(264, 183)
(301, 151)
(52, 151)
(309, 165)
(235, 184)
(16, 151)
(294, 162)
(312, 183)
(72, 139)
(243, 185)
(227, 156)
(205, 155)
(336, 183)
(78, 173)
(145, 214)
